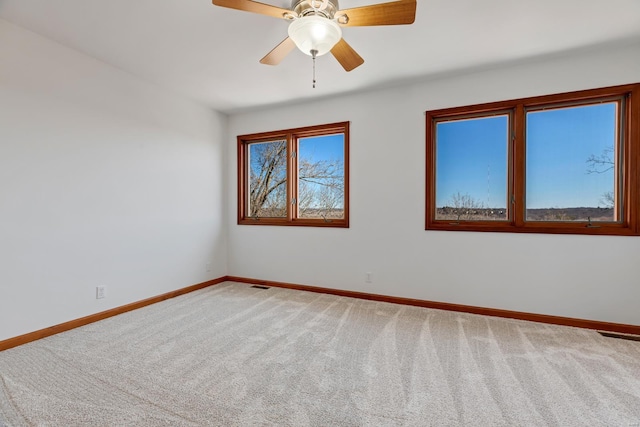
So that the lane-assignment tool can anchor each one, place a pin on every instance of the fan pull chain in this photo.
(313, 55)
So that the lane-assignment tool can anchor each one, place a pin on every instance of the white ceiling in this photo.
(211, 54)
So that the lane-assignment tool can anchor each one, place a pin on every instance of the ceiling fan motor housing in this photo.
(325, 8)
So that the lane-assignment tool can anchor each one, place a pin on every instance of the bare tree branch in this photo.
(608, 199)
(320, 184)
(601, 163)
(463, 207)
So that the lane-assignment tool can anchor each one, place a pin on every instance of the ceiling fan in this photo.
(315, 26)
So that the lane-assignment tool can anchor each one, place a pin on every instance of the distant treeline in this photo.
(547, 214)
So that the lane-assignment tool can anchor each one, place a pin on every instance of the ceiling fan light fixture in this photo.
(315, 33)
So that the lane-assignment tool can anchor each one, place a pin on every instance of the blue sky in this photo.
(322, 148)
(472, 157)
(558, 144)
(328, 147)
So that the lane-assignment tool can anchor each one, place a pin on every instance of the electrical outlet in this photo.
(208, 266)
(368, 277)
(100, 292)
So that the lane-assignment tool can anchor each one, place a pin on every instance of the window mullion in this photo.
(631, 147)
(517, 196)
(292, 177)
(243, 179)
(620, 164)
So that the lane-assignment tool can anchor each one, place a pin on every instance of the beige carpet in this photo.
(231, 355)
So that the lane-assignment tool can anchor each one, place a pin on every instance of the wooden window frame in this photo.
(629, 176)
(291, 136)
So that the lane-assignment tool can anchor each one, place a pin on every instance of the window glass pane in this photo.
(472, 169)
(571, 163)
(268, 179)
(321, 177)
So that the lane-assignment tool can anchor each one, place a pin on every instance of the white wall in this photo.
(104, 180)
(589, 277)
(108, 180)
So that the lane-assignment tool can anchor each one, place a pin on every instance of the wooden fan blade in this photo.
(346, 56)
(393, 13)
(279, 52)
(255, 7)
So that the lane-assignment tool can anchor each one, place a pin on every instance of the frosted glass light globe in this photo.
(315, 33)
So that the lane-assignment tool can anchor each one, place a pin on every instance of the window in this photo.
(563, 163)
(295, 177)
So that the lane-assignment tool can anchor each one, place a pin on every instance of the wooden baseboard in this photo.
(72, 324)
(541, 318)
